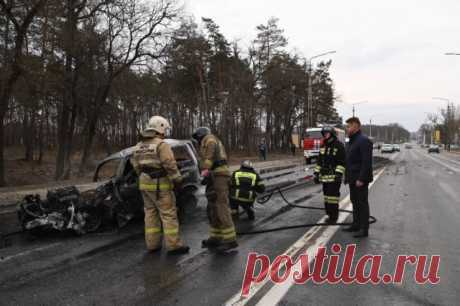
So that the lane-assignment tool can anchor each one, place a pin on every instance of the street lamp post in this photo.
(310, 93)
(370, 125)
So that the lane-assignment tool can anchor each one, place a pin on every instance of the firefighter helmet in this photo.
(329, 129)
(247, 164)
(157, 124)
(200, 133)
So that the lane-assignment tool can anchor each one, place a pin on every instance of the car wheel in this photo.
(187, 200)
(93, 219)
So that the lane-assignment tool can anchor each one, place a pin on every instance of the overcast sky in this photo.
(390, 53)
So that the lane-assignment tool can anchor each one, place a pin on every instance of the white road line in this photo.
(448, 159)
(276, 293)
(454, 169)
(8, 258)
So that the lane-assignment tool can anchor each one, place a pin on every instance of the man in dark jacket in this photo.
(244, 186)
(358, 176)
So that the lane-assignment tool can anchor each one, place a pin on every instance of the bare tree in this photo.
(20, 14)
(135, 31)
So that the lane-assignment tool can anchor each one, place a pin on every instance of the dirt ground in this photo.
(20, 172)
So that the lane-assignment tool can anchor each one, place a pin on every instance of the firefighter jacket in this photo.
(331, 161)
(213, 156)
(245, 184)
(154, 163)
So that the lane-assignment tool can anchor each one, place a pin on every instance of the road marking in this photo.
(440, 162)
(448, 159)
(276, 293)
(7, 258)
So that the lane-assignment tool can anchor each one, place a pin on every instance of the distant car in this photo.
(387, 148)
(396, 148)
(433, 149)
(408, 146)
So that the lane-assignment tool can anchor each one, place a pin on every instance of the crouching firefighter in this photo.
(329, 171)
(154, 163)
(244, 186)
(216, 175)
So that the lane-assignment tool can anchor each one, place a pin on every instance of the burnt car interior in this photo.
(116, 201)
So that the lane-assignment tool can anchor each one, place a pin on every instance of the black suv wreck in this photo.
(115, 201)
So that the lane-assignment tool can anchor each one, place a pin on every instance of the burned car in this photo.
(118, 169)
(116, 201)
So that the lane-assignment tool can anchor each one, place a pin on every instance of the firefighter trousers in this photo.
(248, 207)
(331, 193)
(221, 227)
(161, 220)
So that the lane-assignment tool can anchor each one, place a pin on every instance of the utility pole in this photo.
(370, 124)
(354, 104)
(370, 127)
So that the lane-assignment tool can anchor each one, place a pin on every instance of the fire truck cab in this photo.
(313, 141)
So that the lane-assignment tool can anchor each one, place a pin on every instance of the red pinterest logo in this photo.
(325, 268)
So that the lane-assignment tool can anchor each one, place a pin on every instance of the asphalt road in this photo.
(415, 199)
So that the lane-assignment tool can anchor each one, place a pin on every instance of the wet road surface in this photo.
(416, 202)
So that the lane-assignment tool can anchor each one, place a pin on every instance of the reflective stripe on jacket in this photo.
(331, 161)
(245, 184)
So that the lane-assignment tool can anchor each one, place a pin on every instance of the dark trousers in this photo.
(359, 199)
(331, 192)
(247, 206)
(263, 155)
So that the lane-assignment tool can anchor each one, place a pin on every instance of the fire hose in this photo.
(278, 190)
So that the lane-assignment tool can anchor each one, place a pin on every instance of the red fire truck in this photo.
(313, 140)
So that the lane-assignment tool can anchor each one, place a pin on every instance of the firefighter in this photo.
(154, 163)
(329, 171)
(244, 185)
(216, 175)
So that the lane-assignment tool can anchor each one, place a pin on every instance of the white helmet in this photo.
(156, 124)
(247, 164)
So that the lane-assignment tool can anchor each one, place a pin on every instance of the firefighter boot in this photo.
(333, 213)
(179, 251)
(351, 229)
(363, 233)
(250, 213)
(226, 246)
(210, 243)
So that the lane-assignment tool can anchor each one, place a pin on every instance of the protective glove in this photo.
(316, 178)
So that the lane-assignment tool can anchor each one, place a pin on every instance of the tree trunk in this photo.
(92, 124)
(68, 97)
